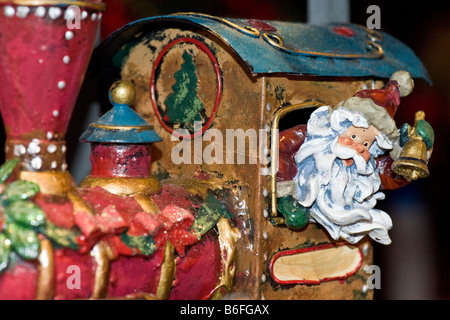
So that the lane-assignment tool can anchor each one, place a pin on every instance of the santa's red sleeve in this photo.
(389, 179)
(290, 141)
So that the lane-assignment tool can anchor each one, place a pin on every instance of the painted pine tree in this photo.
(183, 105)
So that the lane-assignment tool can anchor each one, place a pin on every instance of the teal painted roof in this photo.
(120, 125)
(275, 47)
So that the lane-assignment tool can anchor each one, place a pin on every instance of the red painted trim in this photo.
(303, 250)
(202, 47)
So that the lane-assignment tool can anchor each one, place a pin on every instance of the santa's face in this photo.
(337, 177)
(359, 139)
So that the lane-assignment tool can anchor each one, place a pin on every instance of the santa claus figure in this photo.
(337, 178)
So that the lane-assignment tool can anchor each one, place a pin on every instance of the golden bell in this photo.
(412, 162)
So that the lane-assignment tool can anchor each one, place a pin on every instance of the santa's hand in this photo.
(421, 128)
(424, 129)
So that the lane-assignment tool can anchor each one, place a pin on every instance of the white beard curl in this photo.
(340, 198)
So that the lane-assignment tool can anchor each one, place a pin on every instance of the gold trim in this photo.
(228, 236)
(376, 51)
(273, 39)
(83, 4)
(195, 186)
(374, 35)
(123, 186)
(50, 182)
(250, 31)
(277, 42)
(58, 183)
(46, 267)
(102, 255)
(274, 150)
(167, 276)
(78, 203)
(125, 128)
(146, 203)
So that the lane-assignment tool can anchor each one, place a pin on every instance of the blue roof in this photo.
(282, 47)
(120, 125)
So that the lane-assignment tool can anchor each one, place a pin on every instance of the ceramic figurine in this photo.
(185, 195)
(337, 182)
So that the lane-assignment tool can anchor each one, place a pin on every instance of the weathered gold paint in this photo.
(228, 236)
(123, 186)
(168, 268)
(122, 92)
(46, 269)
(50, 182)
(102, 255)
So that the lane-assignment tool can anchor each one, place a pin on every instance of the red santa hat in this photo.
(379, 106)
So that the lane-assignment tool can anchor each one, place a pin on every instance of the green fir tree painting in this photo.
(183, 105)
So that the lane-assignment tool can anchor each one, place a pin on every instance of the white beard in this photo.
(340, 198)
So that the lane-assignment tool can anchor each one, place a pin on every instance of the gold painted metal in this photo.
(46, 268)
(102, 255)
(167, 276)
(82, 4)
(57, 183)
(374, 35)
(124, 186)
(50, 182)
(122, 92)
(146, 203)
(78, 203)
(376, 51)
(195, 186)
(228, 236)
(274, 151)
(125, 128)
(412, 162)
(273, 39)
(250, 31)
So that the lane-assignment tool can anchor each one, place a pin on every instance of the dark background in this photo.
(417, 263)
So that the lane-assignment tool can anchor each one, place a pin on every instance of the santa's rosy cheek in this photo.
(345, 141)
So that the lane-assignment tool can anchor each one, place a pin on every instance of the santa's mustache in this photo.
(346, 152)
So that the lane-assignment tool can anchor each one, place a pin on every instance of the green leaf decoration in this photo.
(209, 214)
(20, 190)
(296, 216)
(25, 213)
(5, 249)
(24, 241)
(7, 168)
(145, 244)
(61, 236)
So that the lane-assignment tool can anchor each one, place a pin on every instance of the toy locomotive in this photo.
(194, 169)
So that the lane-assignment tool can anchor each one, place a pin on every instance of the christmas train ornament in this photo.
(199, 182)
